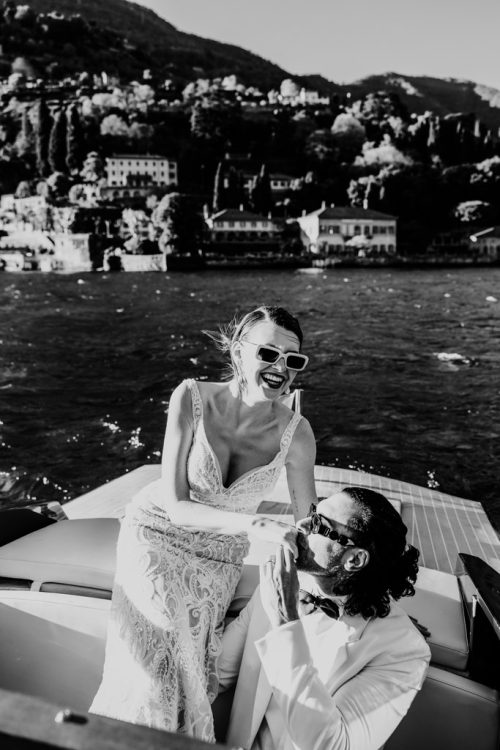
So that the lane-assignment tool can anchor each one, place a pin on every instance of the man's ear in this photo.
(355, 558)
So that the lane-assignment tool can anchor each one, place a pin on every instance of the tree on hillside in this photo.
(74, 139)
(380, 112)
(383, 154)
(207, 120)
(348, 135)
(114, 125)
(141, 133)
(218, 192)
(23, 190)
(306, 193)
(432, 133)
(42, 134)
(282, 133)
(319, 146)
(23, 66)
(485, 180)
(57, 142)
(58, 184)
(25, 15)
(372, 193)
(9, 11)
(180, 222)
(473, 212)
(25, 141)
(214, 119)
(93, 168)
(365, 192)
(455, 183)
(261, 196)
(235, 195)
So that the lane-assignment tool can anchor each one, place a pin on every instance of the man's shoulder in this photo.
(396, 634)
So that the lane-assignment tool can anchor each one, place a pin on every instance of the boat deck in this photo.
(439, 525)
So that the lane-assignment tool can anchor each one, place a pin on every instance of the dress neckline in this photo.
(249, 472)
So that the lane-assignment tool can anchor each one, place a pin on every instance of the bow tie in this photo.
(329, 607)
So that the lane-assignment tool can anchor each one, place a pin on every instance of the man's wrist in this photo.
(291, 615)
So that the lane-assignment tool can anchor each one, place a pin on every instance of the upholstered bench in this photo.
(78, 557)
(72, 557)
(449, 713)
(437, 604)
(52, 645)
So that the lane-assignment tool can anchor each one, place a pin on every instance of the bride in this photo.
(183, 539)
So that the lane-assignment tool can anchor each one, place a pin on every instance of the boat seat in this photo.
(52, 645)
(450, 711)
(17, 522)
(76, 556)
(437, 604)
(79, 556)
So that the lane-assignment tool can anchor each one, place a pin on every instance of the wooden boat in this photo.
(55, 589)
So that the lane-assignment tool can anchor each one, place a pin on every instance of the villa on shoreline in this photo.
(331, 236)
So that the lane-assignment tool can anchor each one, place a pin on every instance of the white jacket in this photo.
(322, 684)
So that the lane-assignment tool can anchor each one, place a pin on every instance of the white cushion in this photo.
(79, 552)
(52, 645)
(437, 604)
(449, 713)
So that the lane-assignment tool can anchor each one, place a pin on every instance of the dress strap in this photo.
(196, 400)
(289, 432)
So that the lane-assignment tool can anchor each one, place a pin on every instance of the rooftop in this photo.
(235, 214)
(140, 156)
(351, 212)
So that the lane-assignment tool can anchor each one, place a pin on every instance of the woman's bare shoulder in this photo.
(210, 389)
(303, 438)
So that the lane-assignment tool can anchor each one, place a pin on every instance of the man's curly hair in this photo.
(393, 566)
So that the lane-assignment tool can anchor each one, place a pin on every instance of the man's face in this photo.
(319, 555)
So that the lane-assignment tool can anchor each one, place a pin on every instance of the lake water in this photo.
(403, 379)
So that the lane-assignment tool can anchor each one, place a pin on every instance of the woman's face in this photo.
(264, 380)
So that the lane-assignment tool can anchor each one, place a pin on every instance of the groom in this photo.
(325, 656)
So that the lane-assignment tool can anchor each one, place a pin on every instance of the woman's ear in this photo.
(355, 558)
(235, 349)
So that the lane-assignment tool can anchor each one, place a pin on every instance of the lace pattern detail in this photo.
(247, 492)
(172, 589)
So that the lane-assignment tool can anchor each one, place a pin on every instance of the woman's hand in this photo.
(279, 588)
(278, 532)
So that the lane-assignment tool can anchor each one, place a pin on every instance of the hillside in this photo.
(441, 96)
(167, 51)
(124, 38)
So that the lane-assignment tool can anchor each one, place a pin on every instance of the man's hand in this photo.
(279, 588)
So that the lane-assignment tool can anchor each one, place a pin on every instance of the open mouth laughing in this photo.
(273, 380)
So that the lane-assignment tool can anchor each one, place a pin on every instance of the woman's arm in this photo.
(300, 470)
(185, 512)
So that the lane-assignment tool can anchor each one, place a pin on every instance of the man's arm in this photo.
(362, 713)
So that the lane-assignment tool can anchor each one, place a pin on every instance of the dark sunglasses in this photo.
(319, 527)
(270, 355)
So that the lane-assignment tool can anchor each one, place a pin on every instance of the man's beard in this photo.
(333, 576)
(340, 581)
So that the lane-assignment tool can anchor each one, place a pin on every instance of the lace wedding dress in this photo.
(172, 589)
